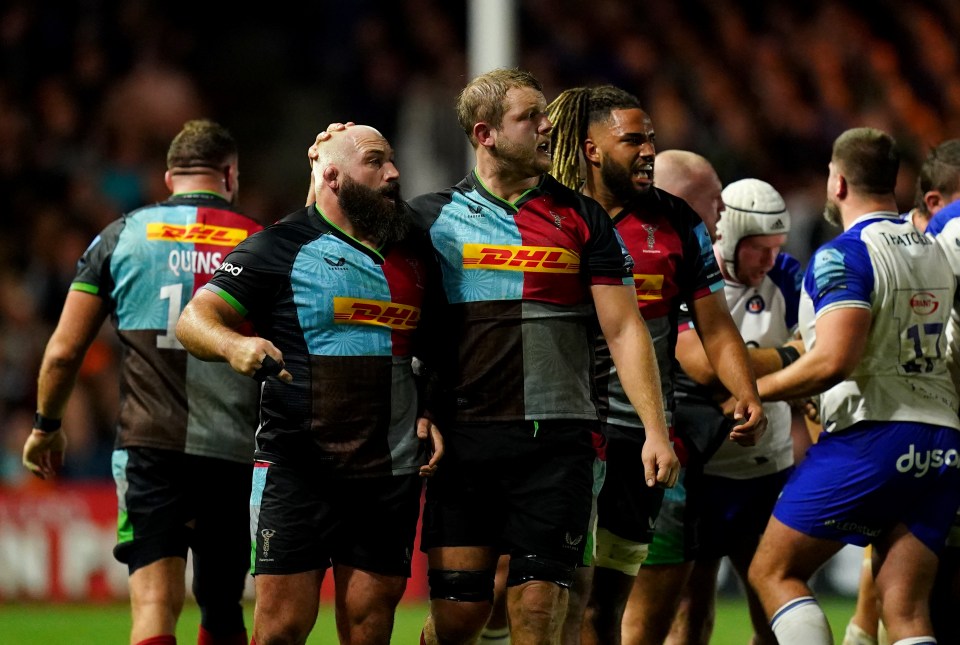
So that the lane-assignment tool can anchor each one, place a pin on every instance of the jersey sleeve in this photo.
(840, 275)
(252, 274)
(788, 276)
(93, 268)
(606, 260)
(704, 275)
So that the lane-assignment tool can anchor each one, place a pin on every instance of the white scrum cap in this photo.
(753, 207)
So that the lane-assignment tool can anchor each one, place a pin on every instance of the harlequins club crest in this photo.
(650, 229)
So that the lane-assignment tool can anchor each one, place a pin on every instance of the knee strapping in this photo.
(614, 552)
(461, 586)
(524, 568)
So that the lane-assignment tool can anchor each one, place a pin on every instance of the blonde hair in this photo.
(484, 98)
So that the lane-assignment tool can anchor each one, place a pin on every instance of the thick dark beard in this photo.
(831, 213)
(619, 182)
(372, 212)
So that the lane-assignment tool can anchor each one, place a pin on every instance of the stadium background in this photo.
(92, 91)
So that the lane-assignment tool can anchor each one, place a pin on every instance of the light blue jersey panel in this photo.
(471, 217)
(149, 297)
(315, 291)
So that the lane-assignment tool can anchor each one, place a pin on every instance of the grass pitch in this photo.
(50, 624)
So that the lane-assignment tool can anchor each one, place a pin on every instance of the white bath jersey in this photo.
(766, 317)
(945, 228)
(886, 265)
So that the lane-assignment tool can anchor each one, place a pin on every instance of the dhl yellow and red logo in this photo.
(196, 233)
(358, 311)
(540, 259)
(649, 287)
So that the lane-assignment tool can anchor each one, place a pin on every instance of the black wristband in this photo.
(788, 354)
(45, 424)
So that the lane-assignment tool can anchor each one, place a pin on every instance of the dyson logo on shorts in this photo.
(922, 462)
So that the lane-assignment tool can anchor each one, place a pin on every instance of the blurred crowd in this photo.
(92, 91)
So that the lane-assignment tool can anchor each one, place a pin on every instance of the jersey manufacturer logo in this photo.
(649, 287)
(196, 233)
(755, 304)
(924, 303)
(358, 311)
(475, 211)
(536, 259)
(339, 262)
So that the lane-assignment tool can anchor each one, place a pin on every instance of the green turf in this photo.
(43, 624)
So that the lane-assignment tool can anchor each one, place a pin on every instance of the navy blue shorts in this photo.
(735, 512)
(859, 483)
(520, 488)
(303, 521)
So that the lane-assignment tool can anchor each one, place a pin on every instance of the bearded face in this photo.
(831, 213)
(619, 180)
(379, 214)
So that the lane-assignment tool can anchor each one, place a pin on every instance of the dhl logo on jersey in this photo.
(358, 311)
(538, 259)
(649, 287)
(196, 233)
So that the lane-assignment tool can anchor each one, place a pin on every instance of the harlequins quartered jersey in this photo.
(517, 278)
(673, 264)
(344, 317)
(147, 265)
(902, 277)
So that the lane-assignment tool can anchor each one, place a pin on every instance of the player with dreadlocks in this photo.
(603, 145)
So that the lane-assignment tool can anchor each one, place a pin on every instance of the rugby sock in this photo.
(165, 639)
(801, 621)
(856, 635)
(498, 636)
(204, 637)
(917, 640)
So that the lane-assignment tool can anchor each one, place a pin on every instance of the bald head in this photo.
(692, 178)
(344, 144)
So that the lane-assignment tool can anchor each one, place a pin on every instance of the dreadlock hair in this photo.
(201, 144)
(940, 172)
(572, 113)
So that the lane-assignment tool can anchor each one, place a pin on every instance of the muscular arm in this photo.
(841, 340)
(82, 316)
(632, 351)
(208, 330)
(728, 357)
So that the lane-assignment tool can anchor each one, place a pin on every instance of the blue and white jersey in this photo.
(885, 265)
(766, 317)
(944, 227)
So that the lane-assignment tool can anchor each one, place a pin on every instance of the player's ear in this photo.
(591, 152)
(168, 180)
(331, 177)
(483, 133)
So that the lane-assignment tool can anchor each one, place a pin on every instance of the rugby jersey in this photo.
(517, 276)
(344, 316)
(944, 227)
(902, 277)
(673, 264)
(146, 266)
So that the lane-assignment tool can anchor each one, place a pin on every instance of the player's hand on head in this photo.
(43, 452)
(427, 431)
(313, 152)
